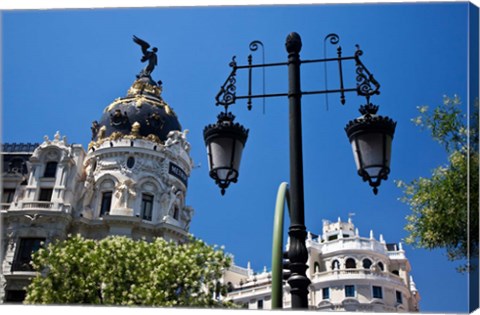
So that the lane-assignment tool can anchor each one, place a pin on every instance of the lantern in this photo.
(225, 141)
(371, 138)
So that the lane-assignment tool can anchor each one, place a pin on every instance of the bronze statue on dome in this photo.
(150, 56)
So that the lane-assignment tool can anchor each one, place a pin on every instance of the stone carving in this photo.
(167, 200)
(178, 137)
(123, 192)
(88, 190)
(186, 216)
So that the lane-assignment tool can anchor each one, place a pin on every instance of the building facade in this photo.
(347, 273)
(131, 181)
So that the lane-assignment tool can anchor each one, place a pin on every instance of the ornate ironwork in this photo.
(365, 79)
(333, 38)
(227, 94)
(254, 47)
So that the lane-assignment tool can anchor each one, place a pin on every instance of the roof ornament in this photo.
(150, 56)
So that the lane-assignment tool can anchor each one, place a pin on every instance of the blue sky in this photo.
(61, 68)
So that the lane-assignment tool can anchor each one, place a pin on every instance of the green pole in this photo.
(277, 246)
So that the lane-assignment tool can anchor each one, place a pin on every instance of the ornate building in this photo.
(131, 181)
(347, 273)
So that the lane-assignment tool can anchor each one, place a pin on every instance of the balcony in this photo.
(41, 206)
(37, 205)
(357, 274)
(354, 243)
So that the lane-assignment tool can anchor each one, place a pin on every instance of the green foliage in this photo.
(120, 271)
(445, 206)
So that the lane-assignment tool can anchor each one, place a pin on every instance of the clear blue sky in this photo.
(61, 68)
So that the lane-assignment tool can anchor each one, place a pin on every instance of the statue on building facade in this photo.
(150, 56)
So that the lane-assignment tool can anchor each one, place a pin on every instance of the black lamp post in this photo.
(370, 137)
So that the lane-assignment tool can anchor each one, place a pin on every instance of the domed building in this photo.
(131, 181)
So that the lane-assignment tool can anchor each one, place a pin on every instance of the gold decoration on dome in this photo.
(118, 135)
(139, 87)
(101, 132)
(153, 138)
(115, 135)
(135, 129)
(139, 100)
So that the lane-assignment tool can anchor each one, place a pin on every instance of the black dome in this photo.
(141, 114)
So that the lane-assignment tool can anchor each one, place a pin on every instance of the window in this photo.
(45, 194)
(398, 294)
(8, 194)
(349, 291)
(335, 265)
(176, 212)
(260, 304)
(325, 293)
(50, 169)
(333, 237)
(367, 263)
(395, 272)
(377, 292)
(316, 267)
(350, 263)
(15, 296)
(106, 203)
(130, 161)
(146, 207)
(23, 257)
(17, 166)
(380, 265)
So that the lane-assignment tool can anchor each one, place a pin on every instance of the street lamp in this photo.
(225, 141)
(370, 136)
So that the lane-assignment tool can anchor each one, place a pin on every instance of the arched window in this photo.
(367, 263)
(176, 212)
(335, 265)
(350, 263)
(50, 169)
(316, 267)
(106, 203)
(146, 207)
(380, 265)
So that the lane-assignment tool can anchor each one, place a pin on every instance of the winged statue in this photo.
(150, 56)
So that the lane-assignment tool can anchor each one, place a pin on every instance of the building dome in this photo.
(141, 114)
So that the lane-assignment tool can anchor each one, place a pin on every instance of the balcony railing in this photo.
(38, 205)
(357, 274)
(353, 243)
(42, 205)
(5, 206)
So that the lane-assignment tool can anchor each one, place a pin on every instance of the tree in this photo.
(445, 206)
(121, 271)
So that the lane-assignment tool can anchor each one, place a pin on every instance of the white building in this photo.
(131, 181)
(347, 272)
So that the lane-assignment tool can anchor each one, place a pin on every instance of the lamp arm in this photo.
(227, 94)
(365, 79)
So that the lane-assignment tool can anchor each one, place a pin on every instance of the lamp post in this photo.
(370, 136)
